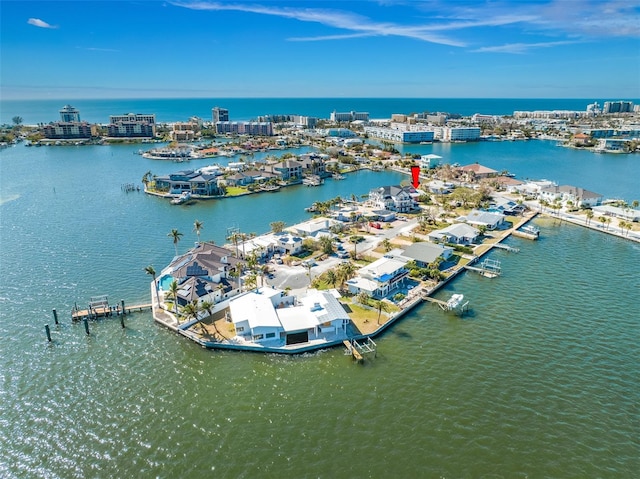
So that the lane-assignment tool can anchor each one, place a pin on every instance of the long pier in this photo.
(99, 307)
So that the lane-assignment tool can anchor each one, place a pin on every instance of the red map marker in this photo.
(415, 175)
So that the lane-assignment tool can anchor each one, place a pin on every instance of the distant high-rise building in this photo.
(617, 107)
(69, 114)
(219, 114)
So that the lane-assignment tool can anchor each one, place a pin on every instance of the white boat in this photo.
(312, 180)
(183, 198)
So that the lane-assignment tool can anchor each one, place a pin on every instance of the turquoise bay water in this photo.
(540, 380)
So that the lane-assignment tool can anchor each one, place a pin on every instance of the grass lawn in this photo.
(236, 191)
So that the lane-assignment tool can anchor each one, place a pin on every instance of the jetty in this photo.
(454, 303)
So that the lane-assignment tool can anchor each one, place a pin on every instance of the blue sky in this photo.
(277, 48)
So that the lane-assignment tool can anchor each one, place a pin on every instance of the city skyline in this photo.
(275, 48)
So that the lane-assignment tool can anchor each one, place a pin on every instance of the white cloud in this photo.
(360, 25)
(520, 47)
(36, 22)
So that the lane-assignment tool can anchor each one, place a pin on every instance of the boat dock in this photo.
(505, 247)
(489, 268)
(99, 307)
(359, 350)
(527, 232)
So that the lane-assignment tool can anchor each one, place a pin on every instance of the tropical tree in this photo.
(602, 220)
(363, 298)
(207, 307)
(151, 271)
(326, 245)
(172, 294)
(345, 272)
(355, 239)
(175, 235)
(589, 216)
(277, 226)
(635, 203)
(190, 311)
(331, 277)
(17, 120)
(386, 244)
(608, 222)
(197, 227)
(381, 305)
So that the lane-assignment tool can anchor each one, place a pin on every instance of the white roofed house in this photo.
(379, 278)
(487, 219)
(394, 198)
(459, 233)
(270, 317)
(565, 193)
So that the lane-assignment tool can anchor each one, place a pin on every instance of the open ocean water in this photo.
(540, 380)
(243, 109)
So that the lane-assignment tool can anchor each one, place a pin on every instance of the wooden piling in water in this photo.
(124, 311)
(86, 325)
(48, 331)
(55, 316)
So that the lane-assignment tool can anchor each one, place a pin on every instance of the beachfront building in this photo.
(349, 116)
(204, 273)
(71, 130)
(255, 128)
(379, 278)
(219, 114)
(395, 198)
(185, 131)
(458, 233)
(132, 125)
(400, 136)
(429, 161)
(460, 133)
(269, 316)
(617, 107)
(579, 197)
(69, 114)
(488, 219)
(196, 182)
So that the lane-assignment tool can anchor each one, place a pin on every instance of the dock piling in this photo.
(55, 316)
(122, 320)
(123, 310)
(86, 325)
(48, 331)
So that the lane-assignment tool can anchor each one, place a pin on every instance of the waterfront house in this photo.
(379, 278)
(579, 197)
(312, 227)
(204, 273)
(487, 219)
(459, 233)
(395, 198)
(627, 214)
(505, 183)
(286, 169)
(195, 182)
(425, 253)
(271, 316)
(440, 187)
(477, 171)
(506, 206)
(289, 243)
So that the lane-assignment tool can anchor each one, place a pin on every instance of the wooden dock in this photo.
(489, 268)
(99, 307)
(359, 350)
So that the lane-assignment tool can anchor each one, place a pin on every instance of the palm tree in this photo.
(603, 220)
(381, 305)
(191, 310)
(589, 216)
(635, 204)
(197, 227)
(608, 222)
(149, 270)
(206, 306)
(146, 178)
(172, 293)
(386, 244)
(175, 236)
(331, 277)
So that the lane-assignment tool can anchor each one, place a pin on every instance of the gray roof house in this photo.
(578, 196)
(484, 218)
(425, 253)
(459, 233)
